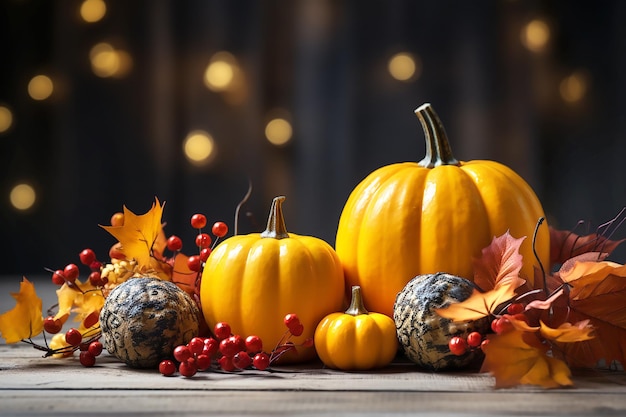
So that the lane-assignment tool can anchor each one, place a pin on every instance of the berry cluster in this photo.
(230, 352)
(499, 325)
(203, 241)
(103, 277)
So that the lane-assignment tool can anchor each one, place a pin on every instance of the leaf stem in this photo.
(543, 271)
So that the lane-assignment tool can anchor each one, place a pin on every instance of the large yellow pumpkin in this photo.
(410, 218)
(252, 281)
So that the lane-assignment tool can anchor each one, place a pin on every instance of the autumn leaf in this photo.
(518, 357)
(182, 276)
(597, 294)
(568, 332)
(479, 304)
(565, 245)
(499, 262)
(25, 320)
(496, 272)
(139, 233)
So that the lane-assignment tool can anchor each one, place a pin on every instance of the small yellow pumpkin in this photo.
(252, 281)
(356, 339)
(408, 219)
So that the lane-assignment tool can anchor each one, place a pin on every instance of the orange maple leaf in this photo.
(499, 262)
(25, 320)
(182, 276)
(140, 235)
(597, 294)
(518, 357)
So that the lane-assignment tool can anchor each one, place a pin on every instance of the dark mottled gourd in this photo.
(422, 333)
(144, 319)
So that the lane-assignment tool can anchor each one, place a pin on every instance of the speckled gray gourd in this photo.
(144, 319)
(422, 333)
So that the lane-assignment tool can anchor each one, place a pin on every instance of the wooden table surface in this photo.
(33, 386)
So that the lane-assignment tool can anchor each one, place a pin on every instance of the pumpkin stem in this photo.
(356, 303)
(276, 222)
(438, 150)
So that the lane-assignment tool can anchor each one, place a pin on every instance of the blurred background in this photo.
(108, 103)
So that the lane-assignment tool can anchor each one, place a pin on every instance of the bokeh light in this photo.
(404, 66)
(22, 196)
(221, 71)
(535, 35)
(278, 131)
(106, 61)
(574, 87)
(92, 11)
(40, 87)
(199, 147)
(6, 119)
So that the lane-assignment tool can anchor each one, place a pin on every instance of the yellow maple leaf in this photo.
(518, 357)
(25, 320)
(480, 304)
(139, 233)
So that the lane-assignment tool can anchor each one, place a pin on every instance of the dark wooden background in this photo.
(99, 143)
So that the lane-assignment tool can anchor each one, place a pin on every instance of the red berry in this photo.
(91, 319)
(226, 363)
(291, 320)
(95, 348)
(194, 263)
(95, 278)
(204, 254)
(241, 343)
(58, 278)
(219, 229)
(515, 308)
(457, 345)
(198, 221)
(182, 353)
(297, 330)
(261, 361)
(52, 325)
(203, 240)
(87, 256)
(222, 330)
(203, 362)
(196, 345)
(483, 344)
(211, 347)
(73, 337)
(95, 265)
(87, 359)
(71, 272)
(242, 360)
(174, 243)
(167, 367)
(501, 325)
(474, 339)
(229, 346)
(254, 344)
(188, 368)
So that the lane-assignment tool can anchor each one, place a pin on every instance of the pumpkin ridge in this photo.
(527, 208)
(405, 184)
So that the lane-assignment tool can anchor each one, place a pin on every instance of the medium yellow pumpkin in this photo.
(410, 218)
(252, 281)
(356, 340)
